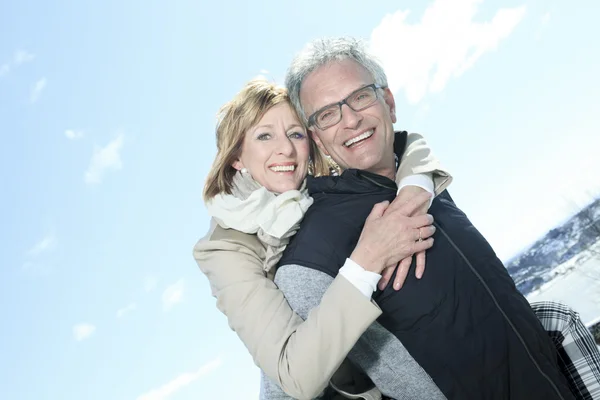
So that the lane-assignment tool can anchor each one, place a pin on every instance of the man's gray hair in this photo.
(324, 51)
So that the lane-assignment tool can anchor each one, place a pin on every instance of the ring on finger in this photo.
(420, 237)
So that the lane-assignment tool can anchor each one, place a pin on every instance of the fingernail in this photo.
(397, 286)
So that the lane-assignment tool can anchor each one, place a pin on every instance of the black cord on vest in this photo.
(501, 310)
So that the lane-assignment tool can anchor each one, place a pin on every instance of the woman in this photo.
(239, 193)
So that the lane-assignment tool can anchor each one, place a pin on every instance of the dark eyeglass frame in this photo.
(312, 119)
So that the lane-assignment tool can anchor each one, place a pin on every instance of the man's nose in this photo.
(350, 118)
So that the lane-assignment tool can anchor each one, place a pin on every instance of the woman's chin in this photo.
(282, 187)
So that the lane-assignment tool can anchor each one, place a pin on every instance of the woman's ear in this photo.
(237, 164)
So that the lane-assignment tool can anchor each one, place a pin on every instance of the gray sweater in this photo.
(378, 353)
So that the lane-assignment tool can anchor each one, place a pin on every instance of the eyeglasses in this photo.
(358, 100)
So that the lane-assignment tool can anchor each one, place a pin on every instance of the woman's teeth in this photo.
(283, 168)
(357, 139)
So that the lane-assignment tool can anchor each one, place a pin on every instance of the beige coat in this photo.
(301, 356)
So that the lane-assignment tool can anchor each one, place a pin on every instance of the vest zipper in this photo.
(371, 394)
(501, 310)
(373, 181)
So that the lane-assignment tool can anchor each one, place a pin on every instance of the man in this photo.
(468, 332)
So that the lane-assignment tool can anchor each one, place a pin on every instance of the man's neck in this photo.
(388, 173)
(386, 168)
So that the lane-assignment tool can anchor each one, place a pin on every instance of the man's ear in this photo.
(317, 140)
(388, 97)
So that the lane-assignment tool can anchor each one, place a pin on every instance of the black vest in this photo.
(464, 322)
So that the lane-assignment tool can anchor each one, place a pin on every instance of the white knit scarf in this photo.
(251, 208)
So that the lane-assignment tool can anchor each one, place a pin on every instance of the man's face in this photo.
(363, 139)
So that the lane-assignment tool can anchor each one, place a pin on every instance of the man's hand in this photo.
(407, 193)
(391, 233)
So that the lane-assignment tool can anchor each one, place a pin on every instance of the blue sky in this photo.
(107, 117)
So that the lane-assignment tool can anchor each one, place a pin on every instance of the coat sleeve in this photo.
(300, 356)
(419, 159)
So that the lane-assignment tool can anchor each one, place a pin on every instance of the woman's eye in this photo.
(297, 135)
(263, 136)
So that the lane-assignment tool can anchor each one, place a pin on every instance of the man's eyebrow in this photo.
(345, 97)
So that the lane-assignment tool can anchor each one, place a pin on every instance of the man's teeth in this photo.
(283, 168)
(363, 136)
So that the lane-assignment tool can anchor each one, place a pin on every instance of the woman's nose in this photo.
(285, 147)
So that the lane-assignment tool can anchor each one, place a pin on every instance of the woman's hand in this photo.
(404, 195)
(391, 233)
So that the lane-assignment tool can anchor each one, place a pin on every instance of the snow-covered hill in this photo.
(560, 251)
(564, 265)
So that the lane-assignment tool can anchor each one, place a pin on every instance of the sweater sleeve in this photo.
(300, 356)
(377, 352)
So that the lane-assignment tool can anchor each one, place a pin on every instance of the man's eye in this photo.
(326, 116)
(363, 98)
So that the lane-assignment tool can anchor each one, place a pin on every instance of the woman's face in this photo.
(275, 151)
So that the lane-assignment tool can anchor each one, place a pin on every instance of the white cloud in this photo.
(126, 310)
(37, 89)
(73, 134)
(264, 74)
(150, 283)
(546, 18)
(169, 388)
(544, 21)
(22, 57)
(40, 266)
(104, 159)
(421, 58)
(173, 295)
(45, 244)
(83, 331)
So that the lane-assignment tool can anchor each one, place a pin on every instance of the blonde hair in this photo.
(234, 119)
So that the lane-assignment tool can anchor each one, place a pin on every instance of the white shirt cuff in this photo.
(365, 281)
(424, 181)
